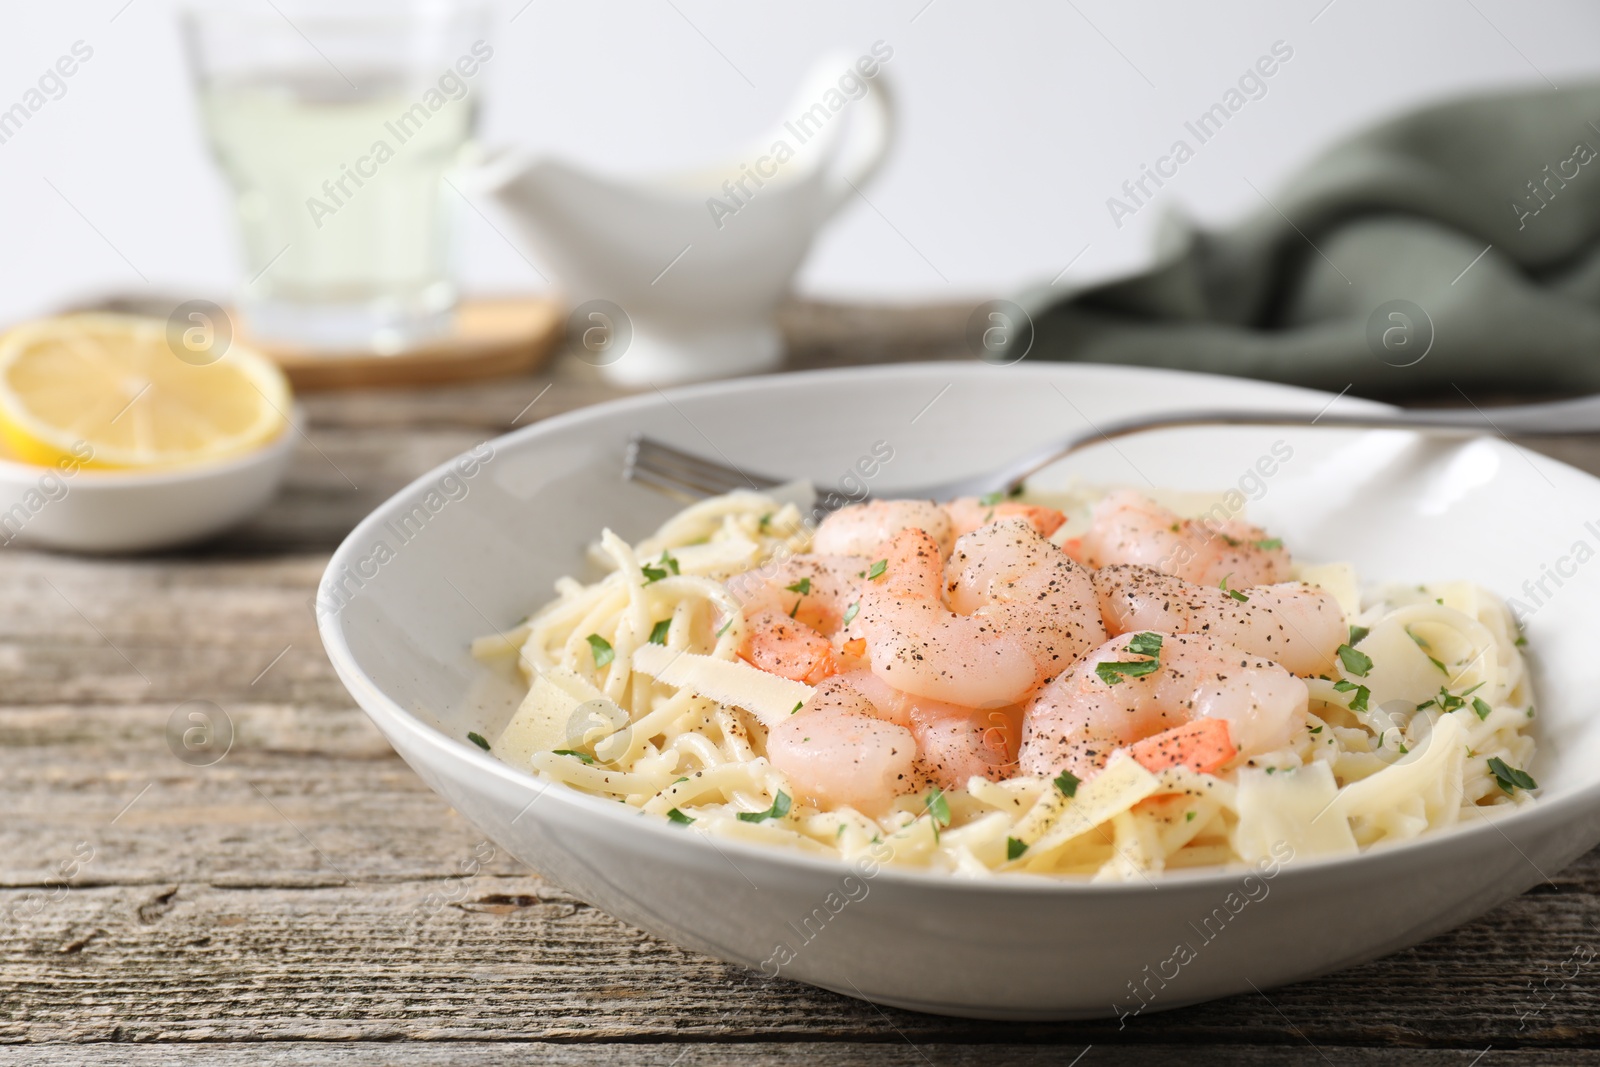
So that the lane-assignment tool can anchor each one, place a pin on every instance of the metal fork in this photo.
(681, 473)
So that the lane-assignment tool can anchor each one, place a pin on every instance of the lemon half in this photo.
(108, 391)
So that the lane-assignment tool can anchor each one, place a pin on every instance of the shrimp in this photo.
(956, 744)
(816, 590)
(919, 646)
(792, 608)
(1077, 721)
(780, 645)
(1129, 528)
(953, 743)
(836, 751)
(1008, 573)
(864, 529)
(969, 512)
(1297, 625)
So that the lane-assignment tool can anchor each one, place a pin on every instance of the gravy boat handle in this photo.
(872, 131)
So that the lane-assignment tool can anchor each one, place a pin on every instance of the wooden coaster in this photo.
(494, 337)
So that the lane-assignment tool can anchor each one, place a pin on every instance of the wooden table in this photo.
(306, 899)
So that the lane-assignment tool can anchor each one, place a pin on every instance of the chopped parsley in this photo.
(1015, 848)
(679, 817)
(1141, 644)
(851, 612)
(797, 706)
(1510, 778)
(477, 739)
(1357, 702)
(877, 569)
(1068, 783)
(666, 565)
(658, 632)
(1112, 673)
(762, 525)
(1145, 644)
(1270, 544)
(1358, 634)
(685, 778)
(1448, 701)
(1520, 642)
(1188, 816)
(780, 808)
(1316, 729)
(725, 626)
(939, 808)
(989, 500)
(603, 652)
(1223, 585)
(574, 754)
(1354, 662)
(803, 586)
(1426, 651)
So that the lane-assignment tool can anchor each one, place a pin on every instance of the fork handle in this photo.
(1580, 416)
(1556, 417)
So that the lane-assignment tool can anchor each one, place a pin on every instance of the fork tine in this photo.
(663, 456)
(662, 466)
(677, 490)
(658, 468)
(676, 481)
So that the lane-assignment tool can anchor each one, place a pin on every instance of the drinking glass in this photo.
(336, 124)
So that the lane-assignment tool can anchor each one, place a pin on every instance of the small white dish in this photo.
(100, 511)
(458, 553)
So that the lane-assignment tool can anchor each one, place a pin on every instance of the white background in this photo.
(1019, 119)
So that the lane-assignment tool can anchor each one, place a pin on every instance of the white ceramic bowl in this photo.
(457, 553)
(118, 511)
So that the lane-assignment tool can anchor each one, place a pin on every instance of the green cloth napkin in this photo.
(1306, 289)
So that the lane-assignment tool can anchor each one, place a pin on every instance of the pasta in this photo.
(642, 689)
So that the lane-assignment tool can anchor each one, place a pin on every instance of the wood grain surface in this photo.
(305, 899)
(492, 338)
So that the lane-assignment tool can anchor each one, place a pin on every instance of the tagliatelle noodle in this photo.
(1356, 775)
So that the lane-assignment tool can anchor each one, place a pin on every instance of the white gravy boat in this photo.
(699, 261)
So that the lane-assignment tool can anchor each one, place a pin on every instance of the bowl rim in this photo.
(15, 470)
(381, 708)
